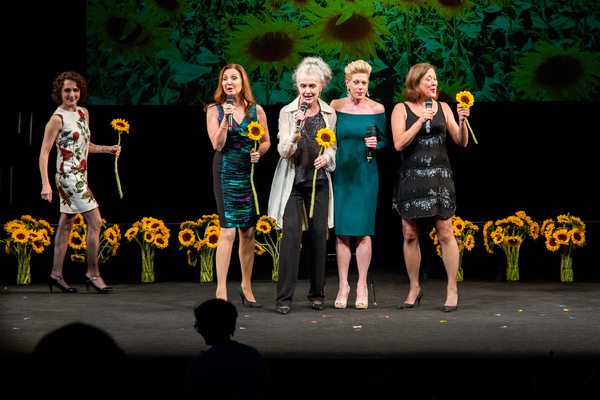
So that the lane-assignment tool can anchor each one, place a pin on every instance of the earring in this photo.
(348, 91)
(367, 93)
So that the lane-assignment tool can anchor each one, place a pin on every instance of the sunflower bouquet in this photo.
(325, 138)
(266, 227)
(466, 100)
(109, 240)
(508, 234)
(255, 132)
(201, 238)
(565, 235)
(26, 236)
(120, 125)
(464, 233)
(150, 233)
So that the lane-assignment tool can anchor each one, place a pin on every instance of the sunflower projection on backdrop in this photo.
(556, 73)
(266, 45)
(126, 31)
(448, 9)
(353, 29)
(405, 5)
(172, 9)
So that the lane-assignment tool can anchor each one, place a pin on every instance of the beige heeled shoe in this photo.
(342, 304)
(362, 305)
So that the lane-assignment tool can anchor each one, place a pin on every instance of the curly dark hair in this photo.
(57, 86)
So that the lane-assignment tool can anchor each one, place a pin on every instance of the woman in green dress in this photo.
(356, 179)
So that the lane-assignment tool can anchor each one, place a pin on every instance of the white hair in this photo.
(315, 66)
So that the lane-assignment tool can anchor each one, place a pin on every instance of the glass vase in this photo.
(147, 264)
(23, 270)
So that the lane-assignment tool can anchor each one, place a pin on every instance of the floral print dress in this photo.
(72, 145)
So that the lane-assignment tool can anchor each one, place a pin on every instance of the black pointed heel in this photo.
(245, 301)
(411, 305)
(451, 308)
(92, 282)
(55, 282)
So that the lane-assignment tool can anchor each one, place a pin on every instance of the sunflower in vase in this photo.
(110, 238)
(464, 233)
(150, 233)
(201, 238)
(564, 235)
(265, 227)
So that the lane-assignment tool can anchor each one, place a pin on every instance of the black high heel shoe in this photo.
(92, 282)
(54, 282)
(451, 308)
(417, 301)
(245, 301)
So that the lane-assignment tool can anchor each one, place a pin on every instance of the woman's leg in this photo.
(289, 257)
(318, 227)
(363, 261)
(246, 254)
(61, 242)
(93, 220)
(343, 255)
(450, 256)
(223, 257)
(412, 257)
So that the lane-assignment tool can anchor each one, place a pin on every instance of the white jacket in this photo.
(283, 179)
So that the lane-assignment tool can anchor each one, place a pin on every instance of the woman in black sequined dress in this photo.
(425, 186)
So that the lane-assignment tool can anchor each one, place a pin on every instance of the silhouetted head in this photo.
(215, 320)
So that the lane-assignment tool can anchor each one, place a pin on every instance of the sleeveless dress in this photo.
(425, 185)
(355, 180)
(231, 175)
(72, 143)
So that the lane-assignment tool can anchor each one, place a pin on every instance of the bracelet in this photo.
(102, 151)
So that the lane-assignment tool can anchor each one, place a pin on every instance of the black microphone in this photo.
(369, 150)
(303, 108)
(230, 116)
(428, 122)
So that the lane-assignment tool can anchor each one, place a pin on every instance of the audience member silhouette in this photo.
(228, 370)
(81, 360)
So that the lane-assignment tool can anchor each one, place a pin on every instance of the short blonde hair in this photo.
(315, 66)
(357, 67)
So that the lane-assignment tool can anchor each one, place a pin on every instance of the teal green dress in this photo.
(355, 180)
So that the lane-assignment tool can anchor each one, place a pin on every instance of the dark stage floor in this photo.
(498, 324)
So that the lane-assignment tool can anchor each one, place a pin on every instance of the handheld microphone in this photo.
(230, 116)
(428, 122)
(369, 150)
(303, 108)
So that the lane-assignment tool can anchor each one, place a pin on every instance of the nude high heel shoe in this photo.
(342, 304)
(362, 305)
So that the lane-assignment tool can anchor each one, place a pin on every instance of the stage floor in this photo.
(494, 319)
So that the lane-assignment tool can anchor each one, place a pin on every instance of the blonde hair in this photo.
(357, 67)
(315, 66)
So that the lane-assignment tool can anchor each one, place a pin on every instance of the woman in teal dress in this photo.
(356, 179)
(232, 163)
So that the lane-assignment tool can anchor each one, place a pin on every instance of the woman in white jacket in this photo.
(292, 185)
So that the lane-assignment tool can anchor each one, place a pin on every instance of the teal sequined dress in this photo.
(231, 175)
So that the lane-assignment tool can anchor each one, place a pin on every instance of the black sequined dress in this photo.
(425, 185)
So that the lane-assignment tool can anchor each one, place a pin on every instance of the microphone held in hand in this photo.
(230, 116)
(303, 108)
(428, 122)
(369, 150)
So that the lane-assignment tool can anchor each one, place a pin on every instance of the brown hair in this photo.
(220, 96)
(57, 86)
(412, 92)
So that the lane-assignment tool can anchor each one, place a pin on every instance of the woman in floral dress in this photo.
(68, 128)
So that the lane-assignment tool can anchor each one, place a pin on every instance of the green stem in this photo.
(471, 130)
(312, 198)
(252, 182)
(117, 169)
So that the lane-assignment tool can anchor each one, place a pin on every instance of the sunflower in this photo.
(37, 246)
(13, 225)
(78, 220)
(352, 30)
(187, 237)
(563, 219)
(513, 241)
(498, 236)
(449, 9)
(212, 240)
(149, 237)
(263, 227)
(255, 131)
(20, 235)
(78, 258)
(438, 249)
(433, 236)
(557, 73)
(267, 45)
(120, 125)
(171, 9)
(76, 241)
(161, 242)
(465, 99)
(115, 248)
(258, 249)
(551, 243)
(470, 242)
(126, 31)
(562, 236)
(131, 233)
(577, 236)
(111, 236)
(189, 224)
(45, 237)
(325, 137)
